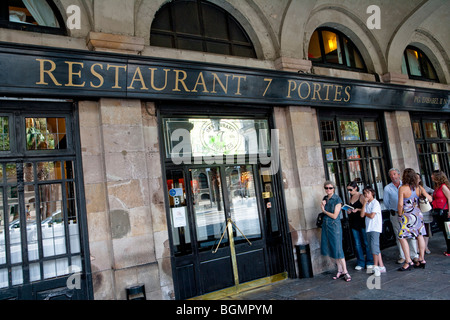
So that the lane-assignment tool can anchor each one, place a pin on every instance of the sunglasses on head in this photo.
(328, 188)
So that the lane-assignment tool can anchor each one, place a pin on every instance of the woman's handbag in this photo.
(424, 205)
(319, 220)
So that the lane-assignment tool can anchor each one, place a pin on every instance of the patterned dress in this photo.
(412, 219)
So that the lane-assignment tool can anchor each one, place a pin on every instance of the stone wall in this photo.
(124, 199)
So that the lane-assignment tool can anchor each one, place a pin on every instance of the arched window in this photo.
(32, 15)
(200, 26)
(331, 48)
(417, 65)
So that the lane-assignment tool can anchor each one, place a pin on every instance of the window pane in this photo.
(376, 166)
(430, 129)
(209, 211)
(243, 51)
(328, 131)
(353, 59)
(413, 62)
(376, 152)
(243, 203)
(404, 68)
(236, 32)
(331, 154)
(217, 47)
(179, 211)
(46, 133)
(214, 22)
(199, 31)
(332, 47)
(163, 21)
(349, 130)
(428, 69)
(444, 130)
(314, 53)
(371, 129)
(186, 19)
(189, 44)
(160, 40)
(32, 12)
(416, 129)
(4, 134)
(354, 167)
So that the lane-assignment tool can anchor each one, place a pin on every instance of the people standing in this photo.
(374, 227)
(390, 200)
(412, 225)
(441, 202)
(331, 239)
(358, 226)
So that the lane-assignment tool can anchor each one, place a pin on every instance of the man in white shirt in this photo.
(390, 201)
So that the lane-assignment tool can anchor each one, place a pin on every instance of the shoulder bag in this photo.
(319, 220)
(424, 204)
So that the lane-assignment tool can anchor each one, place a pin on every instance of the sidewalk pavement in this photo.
(431, 283)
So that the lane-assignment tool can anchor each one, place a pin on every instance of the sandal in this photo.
(338, 275)
(347, 277)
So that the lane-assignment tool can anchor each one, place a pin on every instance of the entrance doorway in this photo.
(225, 217)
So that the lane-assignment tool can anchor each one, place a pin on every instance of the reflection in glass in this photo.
(45, 133)
(242, 200)
(4, 134)
(314, 52)
(208, 207)
(444, 130)
(349, 130)
(354, 167)
(430, 129)
(416, 129)
(179, 219)
(32, 12)
(371, 129)
(332, 47)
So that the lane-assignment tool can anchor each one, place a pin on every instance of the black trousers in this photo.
(442, 216)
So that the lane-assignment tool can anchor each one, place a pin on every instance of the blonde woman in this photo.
(331, 239)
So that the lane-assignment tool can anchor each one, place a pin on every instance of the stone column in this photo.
(401, 140)
(303, 176)
(126, 217)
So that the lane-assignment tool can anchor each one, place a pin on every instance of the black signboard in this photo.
(75, 74)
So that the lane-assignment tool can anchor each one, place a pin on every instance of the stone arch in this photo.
(353, 27)
(425, 41)
(404, 33)
(243, 11)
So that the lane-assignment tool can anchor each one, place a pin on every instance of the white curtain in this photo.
(41, 12)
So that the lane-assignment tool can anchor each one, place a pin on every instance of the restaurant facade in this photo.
(184, 157)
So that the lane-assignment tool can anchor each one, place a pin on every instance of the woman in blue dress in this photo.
(412, 225)
(331, 240)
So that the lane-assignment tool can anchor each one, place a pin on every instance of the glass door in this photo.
(227, 246)
(224, 206)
